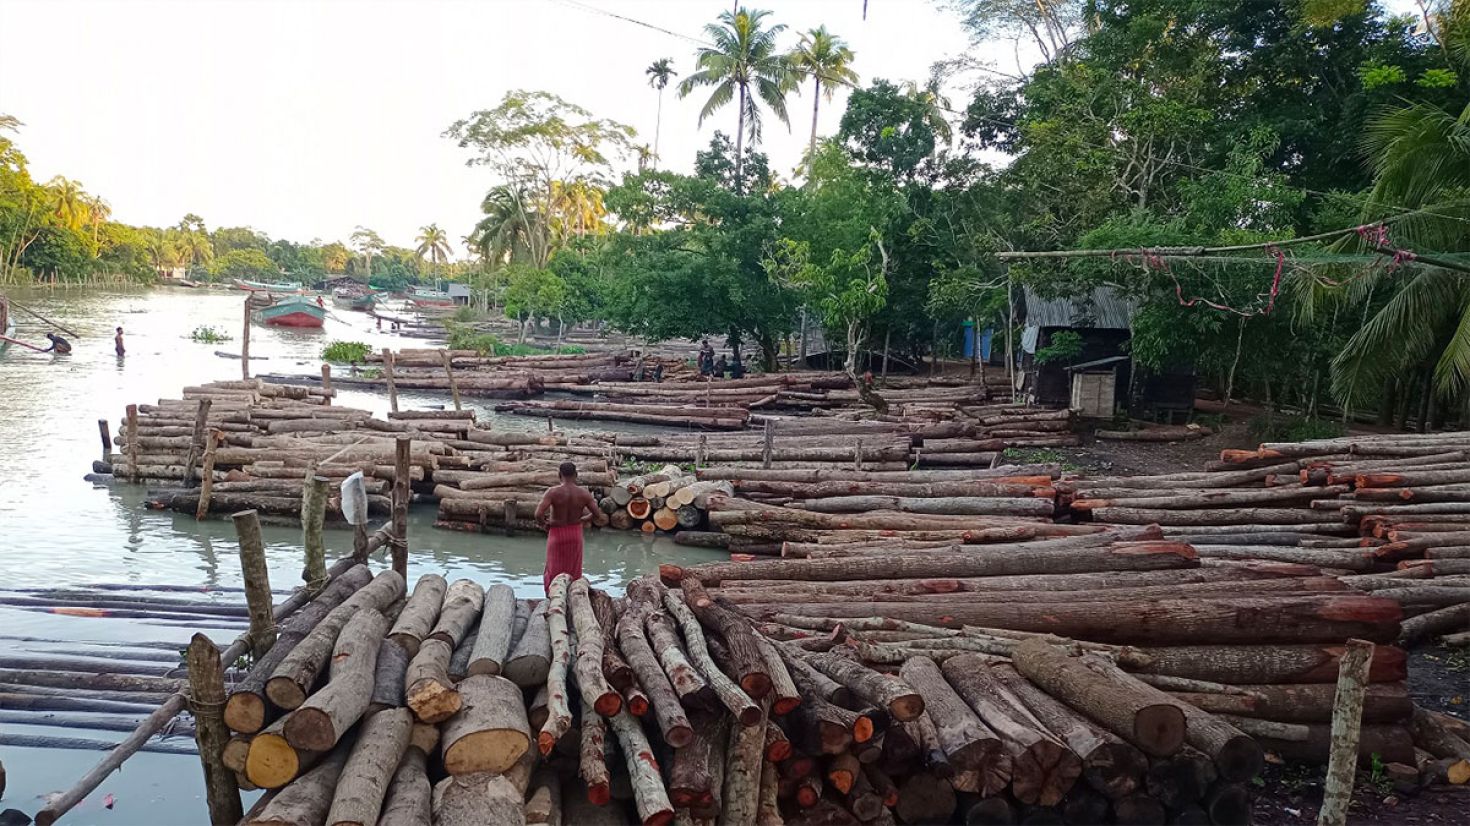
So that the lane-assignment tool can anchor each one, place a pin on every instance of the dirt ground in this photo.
(1099, 457)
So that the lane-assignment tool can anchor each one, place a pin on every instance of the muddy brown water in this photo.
(60, 531)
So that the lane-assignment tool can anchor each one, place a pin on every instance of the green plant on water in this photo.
(208, 335)
(370, 372)
(346, 352)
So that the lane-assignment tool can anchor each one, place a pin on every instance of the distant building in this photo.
(459, 293)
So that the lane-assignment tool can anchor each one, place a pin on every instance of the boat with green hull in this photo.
(293, 311)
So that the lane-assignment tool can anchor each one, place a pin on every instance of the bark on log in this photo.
(977, 754)
(1139, 713)
(319, 723)
(291, 681)
(729, 693)
(420, 612)
(691, 687)
(477, 799)
(492, 644)
(1182, 779)
(672, 721)
(740, 639)
(1304, 703)
(690, 778)
(590, 642)
(490, 732)
(529, 660)
(428, 689)
(592, 759)
(1313, 743)
(743, 759)
(893, 695)
(364, 780)
(409, 793)
(649, 795)
(924, 798)
(388, 676)
(543, 804)
(462, 602)
(1263, 664)
(306, 801)
(1432, 735)
(559, 713)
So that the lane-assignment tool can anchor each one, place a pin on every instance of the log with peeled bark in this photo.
(979, 758)
(1111, 766)
(672, 721)
(1303, 703)
(306, 801)
(462, 602)
(743, 758)
(490, 732)
(614, 667)
(742, 642)
(559, 713)
(492, 644)
(1284, 619)
(427, 687)
(293, 678)
(477, 799)
(246, 710)
(726, 690)
(592, 759)
(884, 692)
(319, 723)
(388, 676)
(1139, 713)
(528, 661)
(1043, 768)
(600, 696)
(364, 781)
(1146, 556)
(649, 796)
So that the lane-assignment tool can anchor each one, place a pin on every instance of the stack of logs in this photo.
(669, 501)
(493, 376)
(869, 689)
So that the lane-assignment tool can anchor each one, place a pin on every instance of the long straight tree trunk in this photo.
(811, 150)
(658, 125)
(740, 144)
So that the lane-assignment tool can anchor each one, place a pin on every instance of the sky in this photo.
(307, 118)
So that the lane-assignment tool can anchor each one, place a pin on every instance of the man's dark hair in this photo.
(568, 470)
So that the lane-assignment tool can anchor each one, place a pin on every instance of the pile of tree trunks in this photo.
(668, 501)
(681, 416)
(501, 376)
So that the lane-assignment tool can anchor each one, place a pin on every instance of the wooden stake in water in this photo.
(206, 474)
(388, 374)
(699, 452)
(133, 442)
(106, 441)
(327, 381)
(1347, 723)
(449, 371)
(257, 581)
(207, 700)
(313, 516)
(196, 444)
(245, 342)
(401, 465)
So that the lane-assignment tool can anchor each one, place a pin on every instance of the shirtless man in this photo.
(563, 511)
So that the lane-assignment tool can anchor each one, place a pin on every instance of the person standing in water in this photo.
(563, 511)
(117, 343)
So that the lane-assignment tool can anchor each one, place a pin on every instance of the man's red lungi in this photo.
(563, 553)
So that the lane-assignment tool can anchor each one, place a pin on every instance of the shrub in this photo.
(208, 335)
(346, 352)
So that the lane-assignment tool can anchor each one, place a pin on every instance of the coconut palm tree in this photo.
(936, 107)
(826, 59)
(507, 232)
(433, 244)
(660, 72)
(742, 65)
(98, 210)
(70, 201)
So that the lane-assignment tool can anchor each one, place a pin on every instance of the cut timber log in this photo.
(1302, 703)
(319, 723)
(409, 793)
(559, 713)
(527, 663)
(388, 676)
(592, 760)
(420, 612)
(462, 602)
(891, 694)
(649, 795)
(490, 732)
(478, 799)
(306, 801)
(672, 721)
(428, 689)
(729, 693)
(291, 681)
(740, 639)
(492, 645)
(1263, 664)
(364, 780)
(1043, 769)
(981, 763)
(590, 640)
(1139, 713)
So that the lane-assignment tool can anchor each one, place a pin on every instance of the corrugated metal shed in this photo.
(1103, 309)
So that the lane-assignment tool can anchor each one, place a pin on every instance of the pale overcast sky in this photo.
(306, 118)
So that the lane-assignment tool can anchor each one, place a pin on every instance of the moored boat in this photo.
(293, 311)
(353, 299)
(252, 286)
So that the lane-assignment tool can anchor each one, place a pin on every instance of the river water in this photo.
(59, 530)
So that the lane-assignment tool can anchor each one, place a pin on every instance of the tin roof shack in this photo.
(1099, 324)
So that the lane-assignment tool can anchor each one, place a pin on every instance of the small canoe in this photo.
(293, 311)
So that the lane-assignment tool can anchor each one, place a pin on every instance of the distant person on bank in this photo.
(59, 345)
(117, 343)
(563, 511)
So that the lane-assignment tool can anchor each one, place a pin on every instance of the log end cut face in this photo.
(1159, 729)
(433, 701)
(245, 712)
(492, 750)
(271, 763)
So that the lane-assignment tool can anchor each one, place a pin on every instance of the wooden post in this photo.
(400, 505)
(509, 515)
(327, 380)
(550, 425)
(699, 452)
(133, 442)
(887, 335)
(245, 342)
(313, 514)
(388, 374)
(196, 443)
(360, 543)
(207, 701)
(767, 446)
(206, 474)
(449, 371)
(257, 581)
(1347, 723)
(106, 441)
(857, 455)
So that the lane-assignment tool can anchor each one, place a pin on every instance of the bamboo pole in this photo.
(207, 689)
(1347, 722)
(257, 581)
(400, 504)
(23, 308)
(449, 371)
(313, 514)
(388, 375)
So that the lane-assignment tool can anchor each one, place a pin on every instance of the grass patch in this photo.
(487, 344)
(346, 352)
(1272, 427)
(1038, 456)
(465, 313)
(206, 334)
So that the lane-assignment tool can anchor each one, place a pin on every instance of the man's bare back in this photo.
(568, 504)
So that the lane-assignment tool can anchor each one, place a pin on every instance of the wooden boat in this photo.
(252, 286)
(293, 311)
(354, 300)
(429, 298)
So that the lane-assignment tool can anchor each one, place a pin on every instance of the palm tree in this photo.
(935, 104)
(98, 210)
(70, 201)
(660, 72)
(433, 244)
(827, 60)
(506, 232)
(743, 55)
